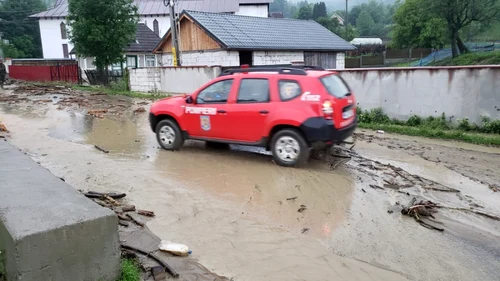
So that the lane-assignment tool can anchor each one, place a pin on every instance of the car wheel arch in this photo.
(161, 117)
(279, 127)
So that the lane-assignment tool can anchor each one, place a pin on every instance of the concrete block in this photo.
(48, 230)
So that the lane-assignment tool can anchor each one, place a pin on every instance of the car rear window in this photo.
(335, 86)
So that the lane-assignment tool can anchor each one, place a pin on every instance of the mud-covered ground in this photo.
(246, 218)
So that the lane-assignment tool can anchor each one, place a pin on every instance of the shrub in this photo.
(119, 86)
(414, 121)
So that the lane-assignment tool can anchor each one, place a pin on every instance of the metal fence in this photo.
(446, 53)
(103, 77)
(387, 58)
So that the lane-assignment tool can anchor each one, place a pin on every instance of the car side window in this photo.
(218, 92)
(253, 90)
(289, 89)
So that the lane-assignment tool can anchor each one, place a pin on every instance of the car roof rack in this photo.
(293, 70)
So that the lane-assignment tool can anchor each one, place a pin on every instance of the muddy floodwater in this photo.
(246, 218)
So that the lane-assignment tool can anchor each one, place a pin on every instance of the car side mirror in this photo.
(189, 99)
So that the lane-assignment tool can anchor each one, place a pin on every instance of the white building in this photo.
(153, 13)
(256, 41)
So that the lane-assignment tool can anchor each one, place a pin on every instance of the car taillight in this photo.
(327, 108)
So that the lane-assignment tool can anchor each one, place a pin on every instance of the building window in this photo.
(132, 61)
(156, 28)
(150, 61)
(65, 51)
(64, 33)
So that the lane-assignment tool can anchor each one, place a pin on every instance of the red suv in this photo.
(287, 110)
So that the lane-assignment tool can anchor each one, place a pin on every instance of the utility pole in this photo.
(346, 22)
(173, 31)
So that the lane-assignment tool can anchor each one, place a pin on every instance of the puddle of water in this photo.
(202, 197)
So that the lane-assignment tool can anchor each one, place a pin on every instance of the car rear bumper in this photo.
(318, 129)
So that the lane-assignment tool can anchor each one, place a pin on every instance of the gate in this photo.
(66, 73)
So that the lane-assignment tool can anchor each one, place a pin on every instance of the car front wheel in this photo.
(289, 148)
(169, 135)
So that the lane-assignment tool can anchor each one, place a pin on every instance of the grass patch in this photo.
(486, 58)
(487, 133)
(130, 271)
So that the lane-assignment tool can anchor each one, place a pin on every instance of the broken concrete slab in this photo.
(48, 230)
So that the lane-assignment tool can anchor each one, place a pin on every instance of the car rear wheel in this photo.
(169, 135)
(289, 148)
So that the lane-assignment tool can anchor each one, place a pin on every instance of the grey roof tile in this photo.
(156, 7)
(145, 40)
(256, 33)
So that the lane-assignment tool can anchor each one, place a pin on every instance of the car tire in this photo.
(289, 148)
(168, 135)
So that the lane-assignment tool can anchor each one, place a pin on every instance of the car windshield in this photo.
(335, 86)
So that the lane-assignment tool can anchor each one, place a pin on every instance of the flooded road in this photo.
(239, 212)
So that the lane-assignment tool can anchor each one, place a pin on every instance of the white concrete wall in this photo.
(185, 80)
(145, 79)
(459, 92)
(253, 10)
(273, 57)
(340, 61)
(50, 32)
(207, 58)
(174, 80)
(163, 23)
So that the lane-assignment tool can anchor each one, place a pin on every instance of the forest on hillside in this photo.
(405, 23)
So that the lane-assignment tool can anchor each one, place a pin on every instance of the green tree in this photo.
(365, 23)
(102, 29)
(459, 14)
(415, 27)
(305, 13)
(319, 10)
(22, 32)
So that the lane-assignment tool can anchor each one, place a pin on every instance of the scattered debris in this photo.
(140, 110)
(495, 187)
(421, 210)
(362, 189)
(257, 187)
(146, 213)
(302, 208)
(167, 267)
(98, 113)
(174, 248)
(390, 211)
(101, 149)
(3, 128)
(93, 194)
(304, 230)
(380, 132)
(135, 220)
(158, 273)
(128, 208)
(291, 198)
(374, 186)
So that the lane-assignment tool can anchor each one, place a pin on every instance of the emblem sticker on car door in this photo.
(205, 123)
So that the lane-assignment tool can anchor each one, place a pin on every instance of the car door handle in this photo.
(263, 112)
(221, 111)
